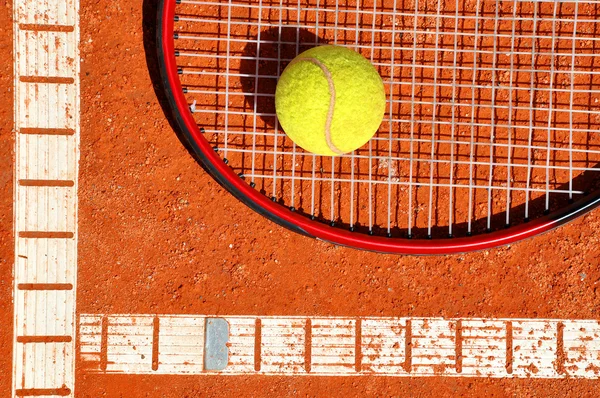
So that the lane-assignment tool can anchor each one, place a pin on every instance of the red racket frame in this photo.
(282, 215)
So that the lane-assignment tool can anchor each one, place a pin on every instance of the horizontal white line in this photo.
(333, 346)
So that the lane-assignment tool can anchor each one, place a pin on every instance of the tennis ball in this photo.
(330, 100)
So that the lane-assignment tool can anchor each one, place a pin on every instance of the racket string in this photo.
(473, 103)
(510, 111)
(391, 125)
(412, 120)
(453, 120)
(571, 101)
(493, 121)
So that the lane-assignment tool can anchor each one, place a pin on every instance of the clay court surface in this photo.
(157, 235)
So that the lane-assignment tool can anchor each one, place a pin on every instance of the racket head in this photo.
(352, 234)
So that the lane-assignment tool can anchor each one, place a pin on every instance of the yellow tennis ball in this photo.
(330, 100)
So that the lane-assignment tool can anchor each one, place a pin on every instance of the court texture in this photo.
(126, 270)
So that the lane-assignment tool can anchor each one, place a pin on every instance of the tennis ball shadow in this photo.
(264, 59)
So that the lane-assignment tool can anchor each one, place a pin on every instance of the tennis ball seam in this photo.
(332, 96)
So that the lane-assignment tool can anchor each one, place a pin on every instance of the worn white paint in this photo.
(433, 348)
(582, 348)
(283, 345)
(333, 345)
(181, 344)
(46, 39)
(382, 343)
(535, 348)
(90, 341)
(51, 12)
(384, 346)
(484, 348)
(241, 344)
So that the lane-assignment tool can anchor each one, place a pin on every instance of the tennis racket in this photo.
(492, 127)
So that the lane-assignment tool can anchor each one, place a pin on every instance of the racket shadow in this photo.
(263, 59)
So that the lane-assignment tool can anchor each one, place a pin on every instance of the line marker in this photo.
(358, 346)
(334, 346)
(408, 346)
(155, 342)
(458, 346)
(46, 28)
(257, 344)
(45, 286)
(509, 347)
(46, 73)
(308, 346)
(46, 235)
(44, 339)
(46, 131)
(104, 343)
(560, 348)
(46, 183)
(40, 392)
(46, 79)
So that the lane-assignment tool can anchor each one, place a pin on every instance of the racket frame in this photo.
(322, 230)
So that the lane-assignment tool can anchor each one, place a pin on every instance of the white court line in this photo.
(46, 40)
(326, 346)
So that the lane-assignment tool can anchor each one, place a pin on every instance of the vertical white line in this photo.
(314, 157)
(312, 186)
(352, 180)
(293, 182)
(473, 110)
(17, 360)
(227, 63)
(433, 114)
(332, 198)
(531, 110)
(550, 104)
(510, 110)
(412, 119)
(571, 100)
(279, 27)
(51, 260)
(335, 27)
(317, 9)
(371, 141)
(493, 118)
(391, 123)
(76, 159)
(391, 131)
(256, 82)
(453, 130)
(357, 25)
